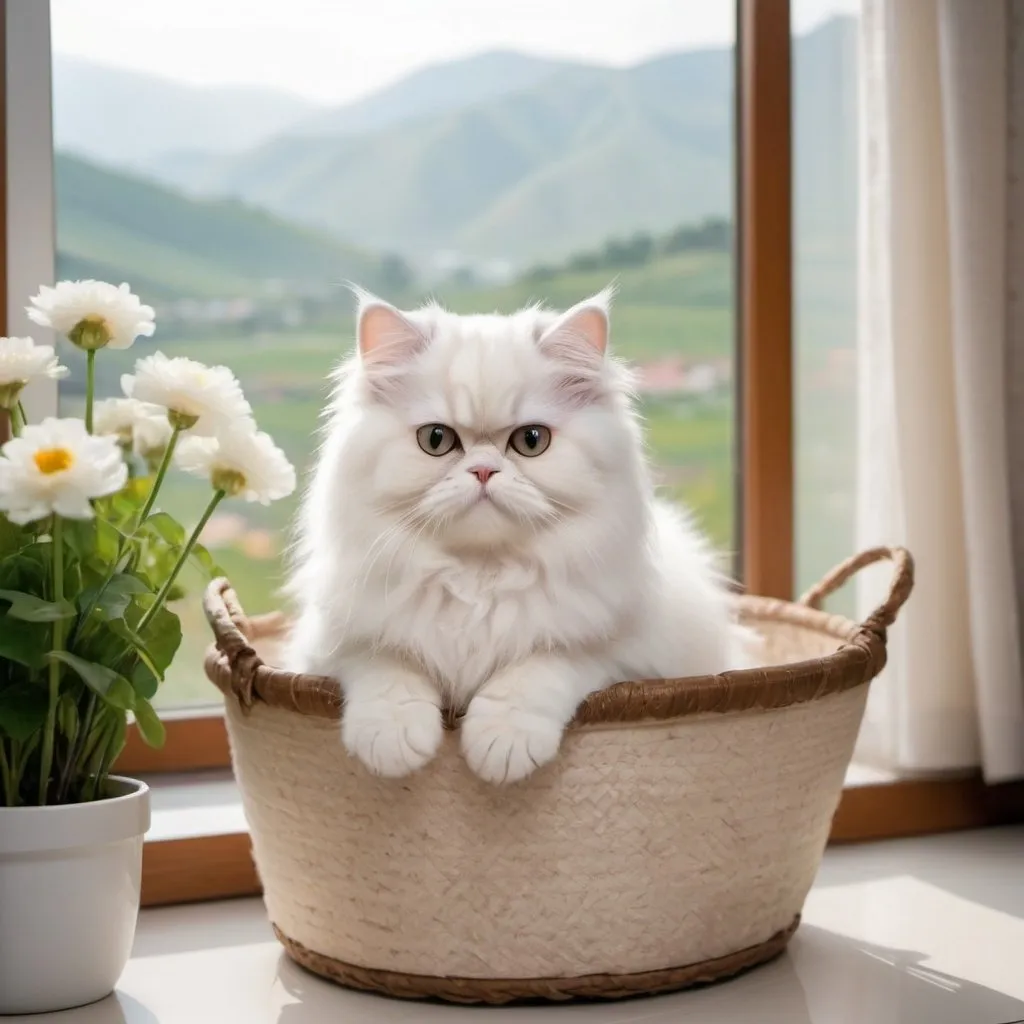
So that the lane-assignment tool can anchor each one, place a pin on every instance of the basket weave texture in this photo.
(672, 841)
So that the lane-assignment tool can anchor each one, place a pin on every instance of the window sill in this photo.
(198, 845)
(193, 805)
(196, 805)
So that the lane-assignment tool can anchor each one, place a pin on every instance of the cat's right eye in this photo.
(437, 439)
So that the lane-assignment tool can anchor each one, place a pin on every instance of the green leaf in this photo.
(145, 678)
(104, 682)
(24, 643)
(204, 560)
(166, 527)
(113, 599)
(30, 608)
(80, 536)
(99, 548)
(123, 507)
(12, 537)
(28, 570)
(145, 675)
(151, 729)
(67, 717)
(116, 742)
(161, 638)
(23, 709)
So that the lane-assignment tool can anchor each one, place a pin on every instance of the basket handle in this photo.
(899, 590)
(230, 628)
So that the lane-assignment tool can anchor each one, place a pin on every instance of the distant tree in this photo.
(539, 273)
(712, 235)
(585, 262)
(634, 252)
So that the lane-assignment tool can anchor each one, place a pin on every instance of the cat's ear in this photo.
(581, 333)
(385, 337)
(576, 342)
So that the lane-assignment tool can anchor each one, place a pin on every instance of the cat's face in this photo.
(486, 431)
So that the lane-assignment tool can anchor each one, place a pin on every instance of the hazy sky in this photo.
(335, 50)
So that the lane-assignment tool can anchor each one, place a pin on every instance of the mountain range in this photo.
(127, 119)
(499, 156)
(581, 154)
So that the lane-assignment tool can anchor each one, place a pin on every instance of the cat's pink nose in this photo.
(483, 473)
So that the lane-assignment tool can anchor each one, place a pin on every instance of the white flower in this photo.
(143, 428)
(93, 314)
(57, 467)
(207, 400)
(243, 463)
(23, 361)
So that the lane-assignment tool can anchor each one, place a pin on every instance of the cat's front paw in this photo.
(392, 738)
(503, 743)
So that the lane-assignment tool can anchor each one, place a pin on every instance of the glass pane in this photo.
(825, 301)
(235, 178)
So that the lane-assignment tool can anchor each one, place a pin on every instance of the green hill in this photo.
(558, 165)
(115, 226)
(586, 153)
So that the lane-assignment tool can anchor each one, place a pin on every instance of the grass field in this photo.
(674, 307)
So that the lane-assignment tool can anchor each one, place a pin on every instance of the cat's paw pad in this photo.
(392, 739)
(505, 744)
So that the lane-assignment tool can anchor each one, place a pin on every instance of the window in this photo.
(825, 203)
(236, 182)
(237, 283)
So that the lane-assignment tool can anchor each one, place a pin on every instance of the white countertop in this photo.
(927, 931)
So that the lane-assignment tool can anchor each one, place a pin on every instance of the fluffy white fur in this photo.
(420, 587)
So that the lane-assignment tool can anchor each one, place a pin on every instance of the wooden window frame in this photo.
(221, 865)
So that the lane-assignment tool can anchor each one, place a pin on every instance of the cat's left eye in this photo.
(437, 439)
(530, 440)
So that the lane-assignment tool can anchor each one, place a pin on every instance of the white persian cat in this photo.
(481, 533)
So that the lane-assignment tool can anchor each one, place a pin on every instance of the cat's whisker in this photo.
(380, 545)
(412, 548)
(565, 505)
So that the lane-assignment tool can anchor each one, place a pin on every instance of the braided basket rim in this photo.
(236, 668)
(502, 991)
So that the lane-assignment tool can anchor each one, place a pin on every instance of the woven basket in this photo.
(672, 841)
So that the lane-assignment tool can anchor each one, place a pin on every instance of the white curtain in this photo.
(937, 201)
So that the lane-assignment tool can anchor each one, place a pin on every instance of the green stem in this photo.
(17, 420)
(10, 795)
(161, 597)
(90, 386)
(112, 747)
(21, 412)
(121, 564)
(58, 640)
(165, 463)
(22, 751)
(97, 758)
(71, 768)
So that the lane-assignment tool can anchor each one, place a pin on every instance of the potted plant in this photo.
(89, 569)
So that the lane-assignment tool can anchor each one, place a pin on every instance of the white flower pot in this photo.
(69, 898)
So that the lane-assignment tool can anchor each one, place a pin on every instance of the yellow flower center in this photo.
(53, 460)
